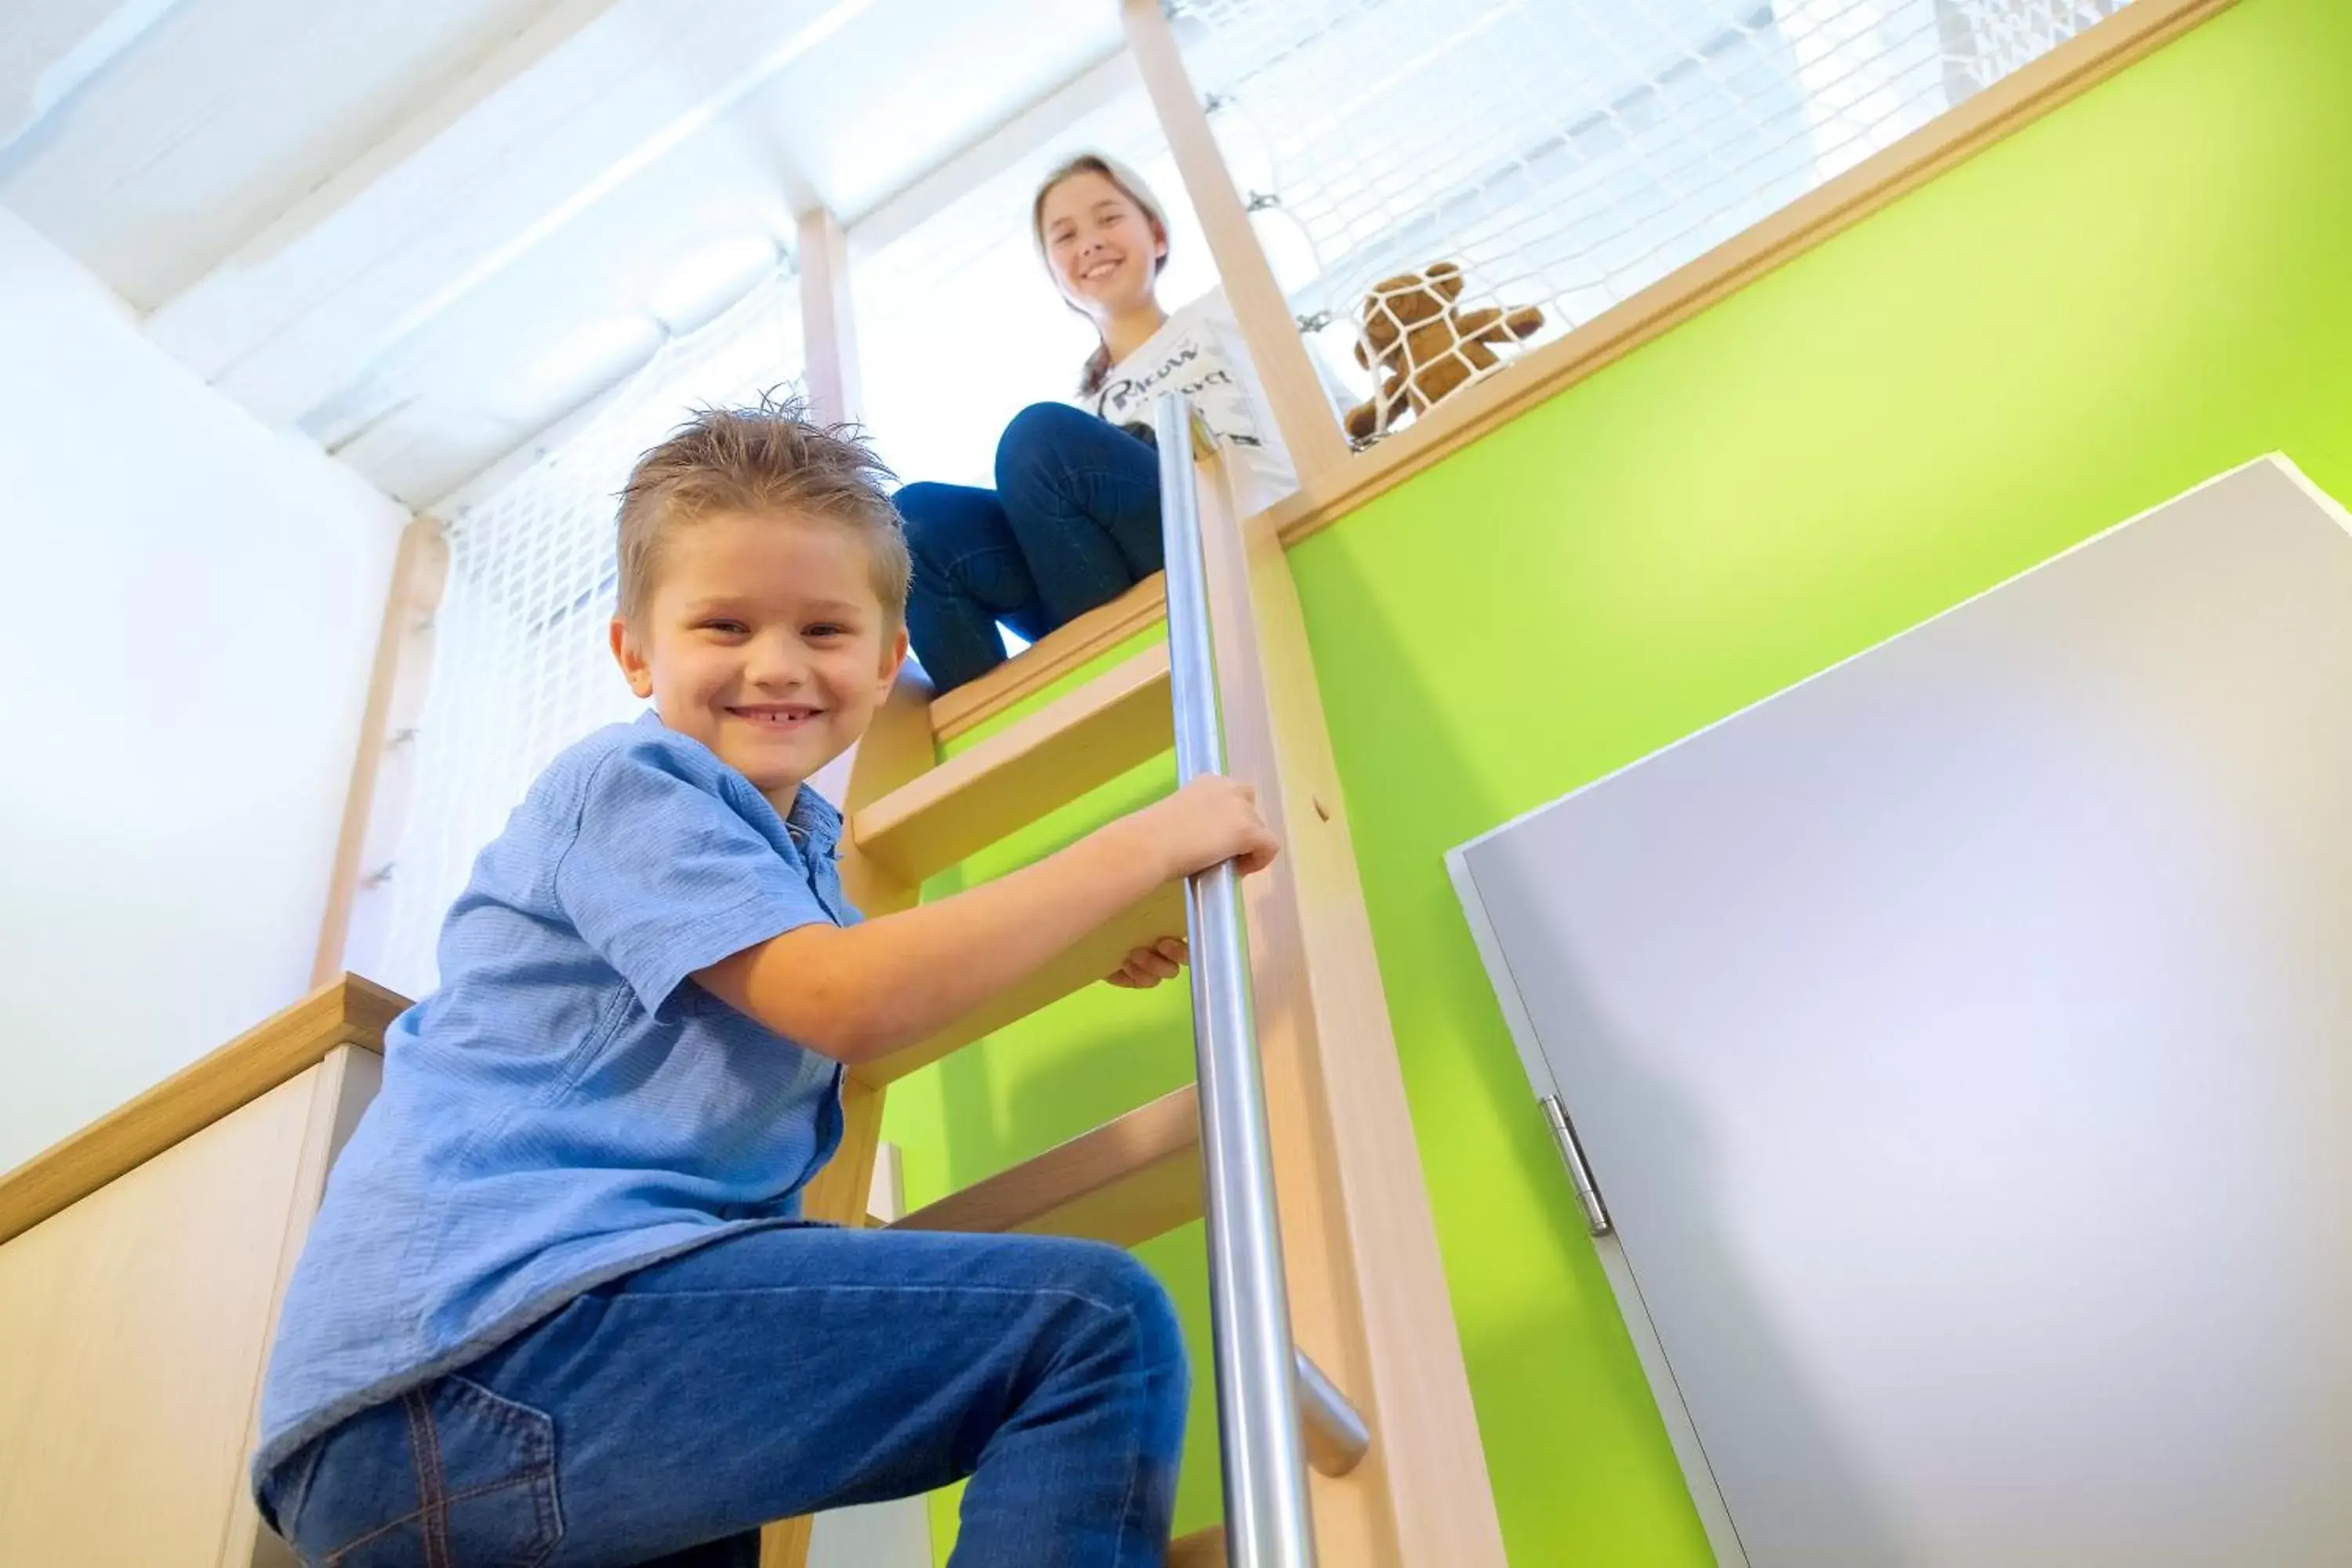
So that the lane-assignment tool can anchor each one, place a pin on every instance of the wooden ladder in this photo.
(1366, 1287)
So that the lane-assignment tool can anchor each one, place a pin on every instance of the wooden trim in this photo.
(895, 751)
(1132, 1178)
(1035, 668)
(420, 568)
(1368, 1294)
(348, 1012)
(2017, 101)
(1083, 739)
(1302, 409)
(828, 322)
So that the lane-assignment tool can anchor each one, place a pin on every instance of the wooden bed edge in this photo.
(349, 1010)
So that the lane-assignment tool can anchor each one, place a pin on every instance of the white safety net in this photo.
(1561, 154)
(521, 667)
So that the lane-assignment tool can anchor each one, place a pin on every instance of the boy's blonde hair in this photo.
(769, 458)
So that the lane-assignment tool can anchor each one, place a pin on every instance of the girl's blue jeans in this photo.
(662, 1417)
(1073, 523)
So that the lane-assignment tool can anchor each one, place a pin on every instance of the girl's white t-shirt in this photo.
(1198, 350)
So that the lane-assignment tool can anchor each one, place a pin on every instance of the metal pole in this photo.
(1267, 1520)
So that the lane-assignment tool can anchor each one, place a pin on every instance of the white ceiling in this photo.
(424, 231)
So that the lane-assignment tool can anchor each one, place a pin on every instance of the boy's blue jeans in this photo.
(663, 1416)
(1073, 523)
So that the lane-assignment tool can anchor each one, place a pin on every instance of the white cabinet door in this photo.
(1961, 1045)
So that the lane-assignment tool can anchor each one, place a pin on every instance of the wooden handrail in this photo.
(346, 1012)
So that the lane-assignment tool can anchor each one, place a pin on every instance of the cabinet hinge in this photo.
(1580, 1174)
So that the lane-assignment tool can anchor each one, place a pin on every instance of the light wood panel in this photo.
(1048, 759)
(1161, 914)
(1368, 1291)
(1034, 669)
(133, 1329)
(1130, 1179)
(1302, 409)
(340, 1088)
(351, 1011)
(895, 749)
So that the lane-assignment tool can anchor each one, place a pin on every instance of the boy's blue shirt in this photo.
(567, 1107)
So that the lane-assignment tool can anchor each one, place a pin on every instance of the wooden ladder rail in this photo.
(1368, 1295)
(1366, 1287)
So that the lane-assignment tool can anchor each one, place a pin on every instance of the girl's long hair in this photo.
(1131, 186)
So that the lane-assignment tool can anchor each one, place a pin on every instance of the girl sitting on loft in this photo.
(1074, 520)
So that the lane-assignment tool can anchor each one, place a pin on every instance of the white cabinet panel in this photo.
(1961, 1043)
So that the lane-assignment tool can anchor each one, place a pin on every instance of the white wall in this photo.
(192, 602)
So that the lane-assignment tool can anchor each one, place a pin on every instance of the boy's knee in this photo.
(1117, 1332)
(1112, 1278)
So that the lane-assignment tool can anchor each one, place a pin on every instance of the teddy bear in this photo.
(1423, 346)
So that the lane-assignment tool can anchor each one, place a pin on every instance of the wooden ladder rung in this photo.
(1202, 1549)
(1130, 1179)
(1083, 739)
(1060, 652)
(1161, 914)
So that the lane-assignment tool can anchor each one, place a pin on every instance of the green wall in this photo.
(2149, 286)
(2145, 287)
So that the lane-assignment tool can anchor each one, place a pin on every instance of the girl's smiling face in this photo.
(1104, 249)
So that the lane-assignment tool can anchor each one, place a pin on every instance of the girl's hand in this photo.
(1210, 820)
(1148, 966)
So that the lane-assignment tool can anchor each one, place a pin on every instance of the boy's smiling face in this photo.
(765, 639)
